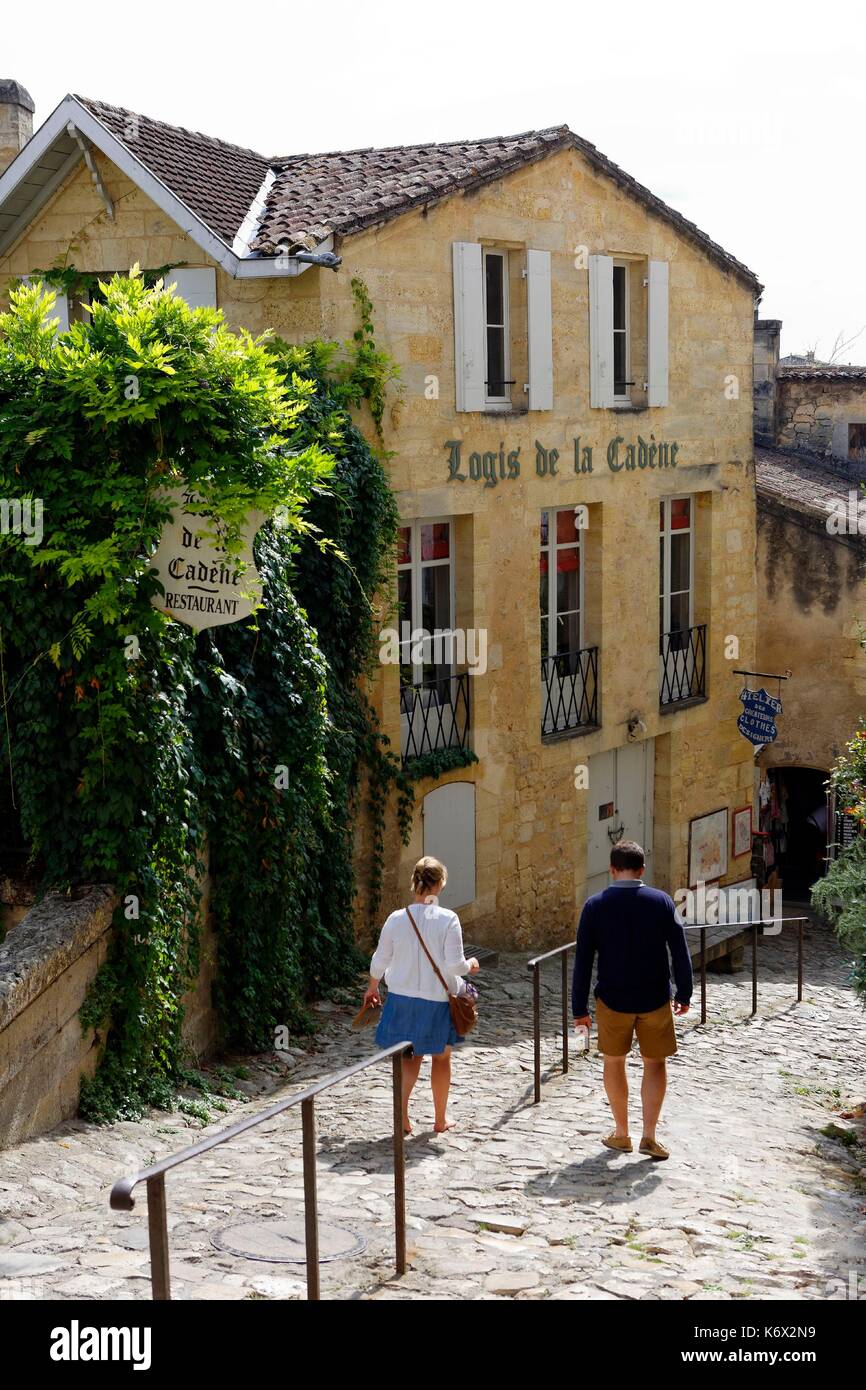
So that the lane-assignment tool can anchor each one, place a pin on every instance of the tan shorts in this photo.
(655, 1032)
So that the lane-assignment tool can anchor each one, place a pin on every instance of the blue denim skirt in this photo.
(427, 1026)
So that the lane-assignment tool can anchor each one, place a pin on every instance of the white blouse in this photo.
(400, 959)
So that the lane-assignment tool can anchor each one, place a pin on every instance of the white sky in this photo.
(747, 116)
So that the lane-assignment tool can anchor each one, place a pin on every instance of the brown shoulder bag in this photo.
(464, 1010)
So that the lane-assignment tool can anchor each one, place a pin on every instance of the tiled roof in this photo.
(800, 480)
(825, 371)
(215, 180)
(316, 195)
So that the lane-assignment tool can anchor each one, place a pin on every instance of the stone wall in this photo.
(766, 364)
(811, 614)
(47, 964)
(814, 414)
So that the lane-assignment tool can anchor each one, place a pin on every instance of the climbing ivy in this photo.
(129, 742)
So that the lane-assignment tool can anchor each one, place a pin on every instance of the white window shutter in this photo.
(601, 331)
(657, 333)
(540, 330)
(195, 284)
(469, 353)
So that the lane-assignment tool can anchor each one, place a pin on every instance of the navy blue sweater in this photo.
(631, 927)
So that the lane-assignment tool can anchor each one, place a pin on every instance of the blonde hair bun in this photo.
(428, 875)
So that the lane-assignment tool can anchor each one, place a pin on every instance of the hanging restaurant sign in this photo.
(502, 465)
(202, 585)
(757, 722)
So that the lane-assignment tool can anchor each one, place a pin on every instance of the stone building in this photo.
(807, 406)
(572, 461)
(810, 433)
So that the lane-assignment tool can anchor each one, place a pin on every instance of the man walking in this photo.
(632, 927)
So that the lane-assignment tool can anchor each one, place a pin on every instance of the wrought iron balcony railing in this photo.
(569, 691)
(683, 665)
(434, 715)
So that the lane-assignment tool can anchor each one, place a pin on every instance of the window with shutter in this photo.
(601, 322)
(539, 330)
(469, 327)
(657, 333)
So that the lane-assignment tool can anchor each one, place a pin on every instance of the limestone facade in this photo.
(536, 821)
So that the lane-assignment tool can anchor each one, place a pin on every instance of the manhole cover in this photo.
(282, 1242)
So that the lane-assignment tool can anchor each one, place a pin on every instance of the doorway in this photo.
(796, 819)
(620, 807)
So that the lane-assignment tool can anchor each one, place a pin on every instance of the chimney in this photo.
(16, 120)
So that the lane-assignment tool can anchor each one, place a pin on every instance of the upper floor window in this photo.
(621, 382)
(503, 328)
(561, 583)
(676, 564)
(496, 327)
(628, 354)
(425, 591)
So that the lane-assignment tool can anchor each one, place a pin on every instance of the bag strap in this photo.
(427, 953)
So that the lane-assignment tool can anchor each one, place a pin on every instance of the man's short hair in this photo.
(627, 854)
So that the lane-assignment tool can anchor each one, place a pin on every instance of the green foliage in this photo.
(840, 896)
(440, 761)
(121, 769)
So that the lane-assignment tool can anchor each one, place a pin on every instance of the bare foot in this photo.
(407, 1128)
(441, 1129)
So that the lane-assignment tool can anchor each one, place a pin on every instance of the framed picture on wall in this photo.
(742, 831)
(708, 847)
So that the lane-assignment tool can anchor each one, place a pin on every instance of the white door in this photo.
(449, 835)
(620, 807)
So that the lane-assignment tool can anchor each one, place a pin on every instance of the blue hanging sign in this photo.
(757, 722)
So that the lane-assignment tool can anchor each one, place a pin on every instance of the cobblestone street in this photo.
(519, 1200)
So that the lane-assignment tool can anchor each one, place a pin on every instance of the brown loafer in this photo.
(618, 1141)
(654, 1149)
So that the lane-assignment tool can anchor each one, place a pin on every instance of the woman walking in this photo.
(417, 1008)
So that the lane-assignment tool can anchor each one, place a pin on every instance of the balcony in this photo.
(434, 715)
(569, 692)
(683, 666)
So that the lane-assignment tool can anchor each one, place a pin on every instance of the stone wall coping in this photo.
(45, 943)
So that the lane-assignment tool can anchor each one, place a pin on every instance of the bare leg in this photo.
(652, 1093)
(440, 1080)
(616, 1086)
(411, 1068)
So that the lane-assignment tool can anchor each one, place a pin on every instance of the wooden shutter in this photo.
(601, 331)
(657, 333)
(539, 330)
(196, 284)
(469, 353)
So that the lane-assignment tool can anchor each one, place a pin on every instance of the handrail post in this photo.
(311, 1215)
(703, 974)
(800, 961)
(754, 968)
(157, 1230)
(536, 1029)
(564, 1012)
(399, 1164)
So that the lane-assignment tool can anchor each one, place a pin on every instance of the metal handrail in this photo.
(122, 1199)
(537, 961)
(534, 965)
